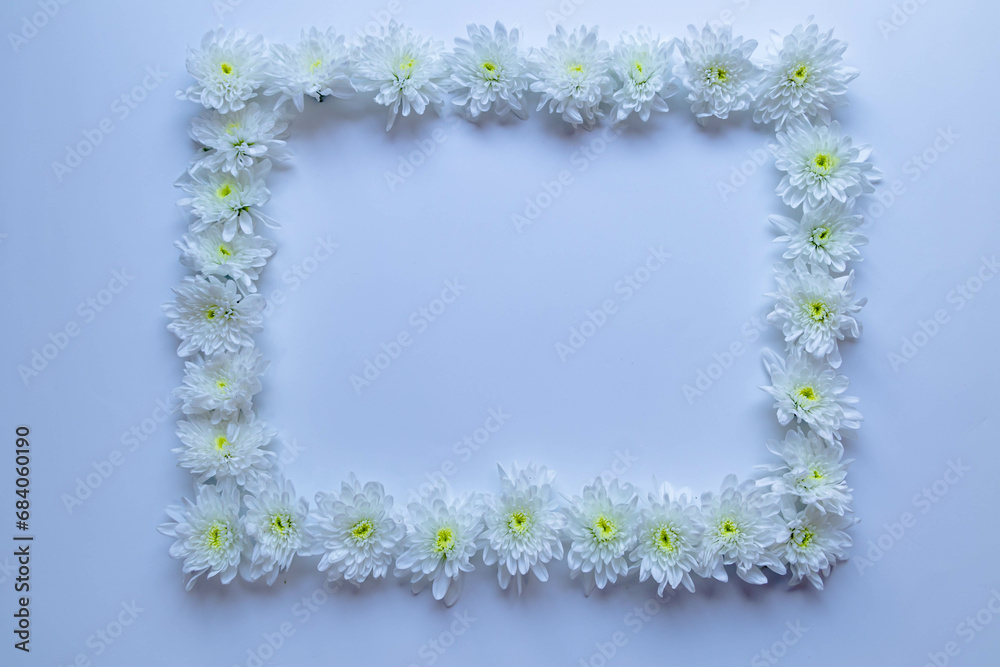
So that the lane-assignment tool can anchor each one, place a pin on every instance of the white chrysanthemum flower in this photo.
(741, 526)
(218, 198)
(815, 310)
(641, 63)
(241, 258)
(669, 539)
(812, 470)
(208, 534)
(717, 71)
(489, 71)
(821, 164)
(221, 386)
(277, 520)
(815, 542)
(229, 68)
(826, 235)
(210, 315)
(318, 66)
(441, 539)
(574, 75)
(405, 68)
(226, 450)
(357, 532)
(239, 139)
(810, 391)
(601, 526)
(522, 525)
(805, 78)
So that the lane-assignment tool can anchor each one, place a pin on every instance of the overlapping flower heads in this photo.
(246, 519)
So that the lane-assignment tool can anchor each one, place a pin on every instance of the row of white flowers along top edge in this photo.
(247, 520)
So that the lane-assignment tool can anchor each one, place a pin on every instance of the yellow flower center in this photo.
(820, 236)
(362, 530)
(210, 313)
(716, 75)
(816, 474)
(575, 68)
(315, 65)
(807, 393)
(819, 311)
(225, 251)
(221, 384)
(729, 528)
(803, 537)
(800, 75)
(604, 529)
(445, 541)
(666, 539)
(224, 191)
(282, 523)
(226, 68)
(518, 523)
(824, 163)
(217, 536)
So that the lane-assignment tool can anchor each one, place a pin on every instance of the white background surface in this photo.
(494, 348)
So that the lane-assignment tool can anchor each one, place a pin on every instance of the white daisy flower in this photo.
(717, 71)
(441, 539)
(812, 470)
(815, 310)
(226, 450)
(826, 235)
(218, 198)
(239, 139)
(208, 534)
(277, 520)
(741, 526)
(810, 391)
(405, 68)
(574, 75)
(229, 69)
(221, 386)
(318, 66)
(522, 525)
(489, 71)
(241, 258)
(357, 531)
(210, 315)
(805, 78)
(821, 164)
(669, 539)
(815, 542)
(641, 64)
(601, 526)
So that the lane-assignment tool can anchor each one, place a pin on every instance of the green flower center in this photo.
(575, 68)
(318, 63)
(604, 529)
(820, 236)
(226, 68)
(217, 536)
(519, 523)
(666, 539)
(362, 530)
(225, 251)
(818, 311)
(210, 313)
(799, 75)
(803, 537)
(281, 523)
(445, 541)
(807, 393)
(729, 529)
(716, 75)
(823, 164)
(224, 191)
